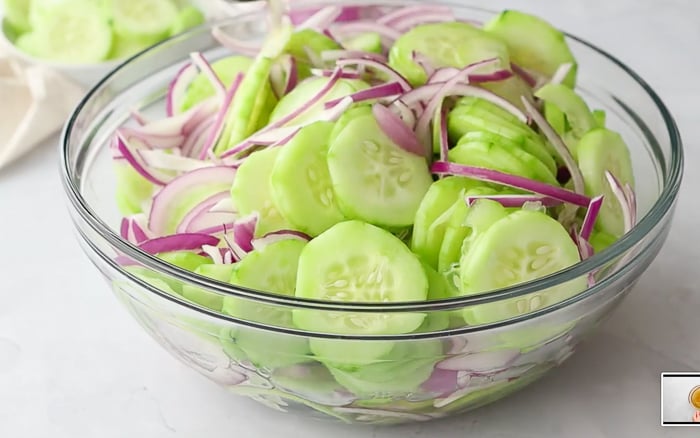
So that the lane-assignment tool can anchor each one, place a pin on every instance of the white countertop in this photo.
(73, 364)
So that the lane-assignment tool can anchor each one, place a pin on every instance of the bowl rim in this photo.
(661, 208)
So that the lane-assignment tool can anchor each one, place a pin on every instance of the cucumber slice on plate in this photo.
(433, 215)
(17, 14)
(59, 33)
(139, 18)
(301, 183)
(308, 88)
(374, 179)
(252, 191)
(603, 150)
(359, 263)
(454, 44)
(524, 246)
(533, 43)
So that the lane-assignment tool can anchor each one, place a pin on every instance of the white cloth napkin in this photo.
(35, 103)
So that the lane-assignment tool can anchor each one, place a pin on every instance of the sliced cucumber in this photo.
(600, 118)
(123, 48)
(138, 18)
(252, 191)
(402, 371)
(366, 42)
(601, 241)
(271, 269)
(133, 191)
(311, 87)
(454, 44)
(272, 350)
(577, 113)
(512, 89)
(349, 354)
(531, 145)
(301, 183)
(304, 41)
(433, 215)
(202, 297)
(358, 262)
(603, 150)
(500, 156)
(226, 69)
(438, 290)
(465, 225)
(533, 43)
(374, 179)
(59, 33)
(524, 246)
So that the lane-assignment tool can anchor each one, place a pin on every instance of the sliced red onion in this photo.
(525, 75)
(442, 402)
(216, 179)
(591, 217)
(398, 131)
(224, 206)
(515, 201)
(486, 362)
(436, 102)
(248, 48)
(218, 127)
(158, 159)
(444, 74)
(178, 88)
(221, 228)
(292, 76)
(178, 242)
(321, 19)
(393, 75)
(139, 118)
(244, 232)
(561, 73)
(621, 196)
(401, 14)
(328, 73)
(196, 141)
(214, 253)
(558, 144)
(443, 136)
(138, 231)
(314, 58)
(279, 236)
(211, 223)
(124, 229)
(277, 79)
(300, 16)
(517, 182)
(205, 67)
(202, 208)
(428, 92)
(405, 113)
(153, 176)
(417, 19)
(379, 92)
(441, 382)
(152, 140)
(424, 63)
(387, 34)
(335, 55)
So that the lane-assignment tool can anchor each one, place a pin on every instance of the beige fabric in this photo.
(34, 104)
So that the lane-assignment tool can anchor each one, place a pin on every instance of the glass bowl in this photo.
(431, 373)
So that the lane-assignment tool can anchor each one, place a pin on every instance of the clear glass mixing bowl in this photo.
(422, 376)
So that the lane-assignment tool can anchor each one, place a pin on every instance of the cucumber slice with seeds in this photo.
(59, 33)
(598, 151)
(374, 179)
(521, 247)
(252, 191)
(301, 183)
(454, 44)
(358, 262)
(533, 43)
